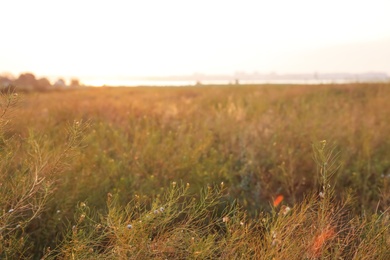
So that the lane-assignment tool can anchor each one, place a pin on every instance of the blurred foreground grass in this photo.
(196, 173)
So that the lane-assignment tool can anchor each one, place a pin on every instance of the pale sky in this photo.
(108, 39)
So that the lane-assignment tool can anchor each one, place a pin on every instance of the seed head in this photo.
(323, 144)
(74, 229)
(82, 217)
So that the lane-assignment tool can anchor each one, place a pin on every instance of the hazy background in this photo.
(99, 41)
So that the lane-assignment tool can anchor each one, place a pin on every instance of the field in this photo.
(232, 172)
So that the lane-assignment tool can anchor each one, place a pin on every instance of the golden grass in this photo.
(100, 166)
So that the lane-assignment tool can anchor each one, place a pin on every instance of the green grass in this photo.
(192, 173)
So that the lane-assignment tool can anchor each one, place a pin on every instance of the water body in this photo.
(178, 83)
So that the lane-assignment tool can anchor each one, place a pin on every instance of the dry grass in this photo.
(104, 189)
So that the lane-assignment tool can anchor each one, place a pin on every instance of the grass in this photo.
(196, 173)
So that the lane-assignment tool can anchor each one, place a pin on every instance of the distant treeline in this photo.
(28, 81)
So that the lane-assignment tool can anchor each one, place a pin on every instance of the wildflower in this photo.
(174, 184)
(241, 223)
(284, 210)
(222, 184)
(188, 185)
(82, 204)
(276, 242)
(11, 210)
(58, 211)
(225, 219)
(129, 226)
(156, 211)
(162, 209)
(322, 195)
(327, 234)
(278, 200)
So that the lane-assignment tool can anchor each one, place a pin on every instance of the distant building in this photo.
(60, 83)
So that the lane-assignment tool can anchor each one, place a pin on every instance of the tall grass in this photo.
(116, 187)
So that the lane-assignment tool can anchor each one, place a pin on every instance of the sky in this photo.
(133, 38)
